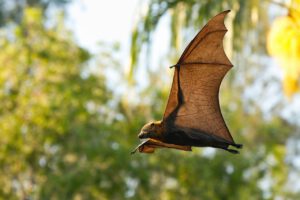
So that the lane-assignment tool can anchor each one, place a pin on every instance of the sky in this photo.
(100, 20)
(94, 21)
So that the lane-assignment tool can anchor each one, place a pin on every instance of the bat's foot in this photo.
(232, 151)
(239, 146)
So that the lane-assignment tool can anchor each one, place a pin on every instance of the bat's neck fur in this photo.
(153, 130)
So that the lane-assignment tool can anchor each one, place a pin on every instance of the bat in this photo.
(193, 115)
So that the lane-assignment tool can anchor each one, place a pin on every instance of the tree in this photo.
(12, 11)
(49, 115)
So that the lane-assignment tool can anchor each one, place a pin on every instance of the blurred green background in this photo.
(70, 116)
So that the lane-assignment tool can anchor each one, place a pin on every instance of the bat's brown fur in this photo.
(163, 135)
(153, 130)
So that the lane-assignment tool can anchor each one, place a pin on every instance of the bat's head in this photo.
(152, 130)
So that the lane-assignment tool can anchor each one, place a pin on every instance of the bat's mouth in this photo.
(143, 135)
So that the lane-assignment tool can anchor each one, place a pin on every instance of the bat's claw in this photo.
(144, 141)
(134, 150)
(239, 146)
(232, 151)
(177, 65)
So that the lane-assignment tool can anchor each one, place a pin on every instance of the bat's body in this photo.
(193, 116)
(182, 137)
(190, 137)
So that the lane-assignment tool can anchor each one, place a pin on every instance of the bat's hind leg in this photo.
(223, 144)
(238, 146)
(201, 139)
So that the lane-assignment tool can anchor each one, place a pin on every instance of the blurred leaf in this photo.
(284, 44)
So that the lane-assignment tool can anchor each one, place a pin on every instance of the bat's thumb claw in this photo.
(133, 152)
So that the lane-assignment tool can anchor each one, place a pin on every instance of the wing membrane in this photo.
(194, 97)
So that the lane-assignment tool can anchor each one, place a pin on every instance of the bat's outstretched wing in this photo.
(194, 96)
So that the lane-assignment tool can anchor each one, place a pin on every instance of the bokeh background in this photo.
(79, 78)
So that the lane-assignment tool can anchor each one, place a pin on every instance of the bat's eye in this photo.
(152, 125)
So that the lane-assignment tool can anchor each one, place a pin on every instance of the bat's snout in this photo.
(142, 135)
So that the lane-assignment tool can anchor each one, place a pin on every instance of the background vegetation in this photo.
(66, 133)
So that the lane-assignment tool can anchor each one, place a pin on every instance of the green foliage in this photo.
(13, 10)
(48, 128)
